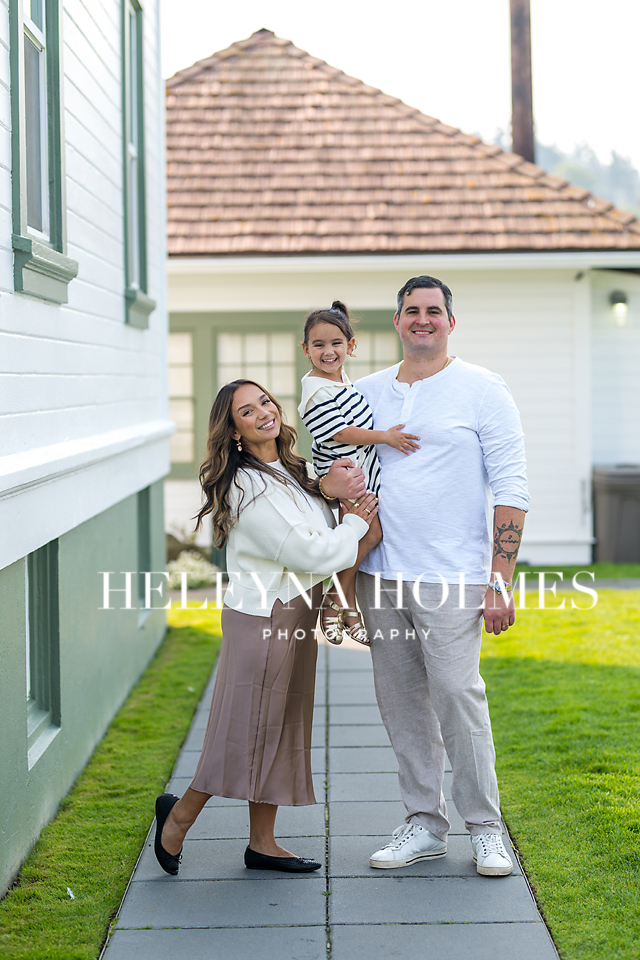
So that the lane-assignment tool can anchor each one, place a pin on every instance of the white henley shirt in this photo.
(436, 505)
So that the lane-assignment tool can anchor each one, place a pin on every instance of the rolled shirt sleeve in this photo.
(502, 441)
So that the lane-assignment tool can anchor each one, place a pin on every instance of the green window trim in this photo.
(41, 271)
(138, 305)
(41, 267)
(144, 538)
(43, 693)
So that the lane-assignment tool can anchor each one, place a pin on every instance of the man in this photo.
(426, 628)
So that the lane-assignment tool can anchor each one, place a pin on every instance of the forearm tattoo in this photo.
(506, 541)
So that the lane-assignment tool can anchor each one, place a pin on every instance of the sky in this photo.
(450, 59)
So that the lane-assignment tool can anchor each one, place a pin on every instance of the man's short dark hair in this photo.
(429, 282)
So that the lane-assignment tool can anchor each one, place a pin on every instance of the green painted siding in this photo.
(102, 653)
(206, 326)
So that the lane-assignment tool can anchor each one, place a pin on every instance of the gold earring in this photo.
(239, 445)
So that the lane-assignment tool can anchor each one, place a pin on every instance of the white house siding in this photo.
(616, 372)
(6, 254)
(527, 317)
(83, 425)
(73, 374)
(530, 327)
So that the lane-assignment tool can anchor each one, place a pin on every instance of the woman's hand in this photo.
(404, 442)
(365, 507)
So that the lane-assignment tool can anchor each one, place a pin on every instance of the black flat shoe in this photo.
(260, 861)
(167, 861)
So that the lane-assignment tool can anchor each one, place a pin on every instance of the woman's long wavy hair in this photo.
(223, 460)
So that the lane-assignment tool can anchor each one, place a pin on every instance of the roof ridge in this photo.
(257, 37)
(518, 164)
(263, 35)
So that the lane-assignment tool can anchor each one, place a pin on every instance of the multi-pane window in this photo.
(41, 267)
(181, 396)
(133, 78)
(36, 126)
(374, 351)
(138, 304)
(43, 648)
(144, 540)
(267, 358)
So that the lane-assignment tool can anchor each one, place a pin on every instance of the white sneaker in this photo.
(410, 844)
(490, 856)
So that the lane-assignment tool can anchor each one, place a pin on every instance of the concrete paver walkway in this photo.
(216, 908)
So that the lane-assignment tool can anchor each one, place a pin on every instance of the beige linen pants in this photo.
(431, 698)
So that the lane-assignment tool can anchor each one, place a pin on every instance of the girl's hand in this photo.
(365, 507)
(404, 442)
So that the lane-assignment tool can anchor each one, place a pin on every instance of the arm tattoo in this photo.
(506, 541)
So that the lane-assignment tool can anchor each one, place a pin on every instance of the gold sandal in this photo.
(331, 627)
(356, 631)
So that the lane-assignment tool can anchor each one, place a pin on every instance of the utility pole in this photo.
(521, 94)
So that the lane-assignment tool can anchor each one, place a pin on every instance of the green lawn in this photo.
(564, 693)
(602, 571)
(93, 843)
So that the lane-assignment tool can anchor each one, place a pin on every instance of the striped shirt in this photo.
(327, 407)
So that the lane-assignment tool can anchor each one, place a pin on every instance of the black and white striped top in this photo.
(328, 407)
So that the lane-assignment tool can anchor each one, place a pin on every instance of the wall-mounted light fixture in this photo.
(619, 307)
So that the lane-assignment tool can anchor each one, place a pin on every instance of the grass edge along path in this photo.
(93, 843)
(564, 696)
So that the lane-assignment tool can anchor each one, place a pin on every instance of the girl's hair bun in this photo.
(340, 307)
(337, 314)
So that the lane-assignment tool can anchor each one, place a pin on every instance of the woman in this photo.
(279, 532)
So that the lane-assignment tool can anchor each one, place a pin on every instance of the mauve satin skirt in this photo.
(258, 740)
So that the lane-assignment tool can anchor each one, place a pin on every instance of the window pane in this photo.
(181, 381)
(289, 405)
(386, 347)
(133, 74)
(37, 13)
(33, 63)
(134, 225)
(363, 346)
(359, 368)
(228, 372)
(229, 348)
(282, 348)
(132, 132)
(44, 670)
(181, 447)
(255, 347)
(283, 380)
(180, 348)
(28, 638)
(144, 539)
(258, 372)
(182, 412)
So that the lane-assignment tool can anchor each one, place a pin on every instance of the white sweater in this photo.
(279, 533)
(436, 504)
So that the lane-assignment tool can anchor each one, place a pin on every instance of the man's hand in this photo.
(344, 481)
(499, 612)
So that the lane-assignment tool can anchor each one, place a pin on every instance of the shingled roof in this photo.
(274, 152)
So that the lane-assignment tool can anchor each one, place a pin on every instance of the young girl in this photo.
(341, 423)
